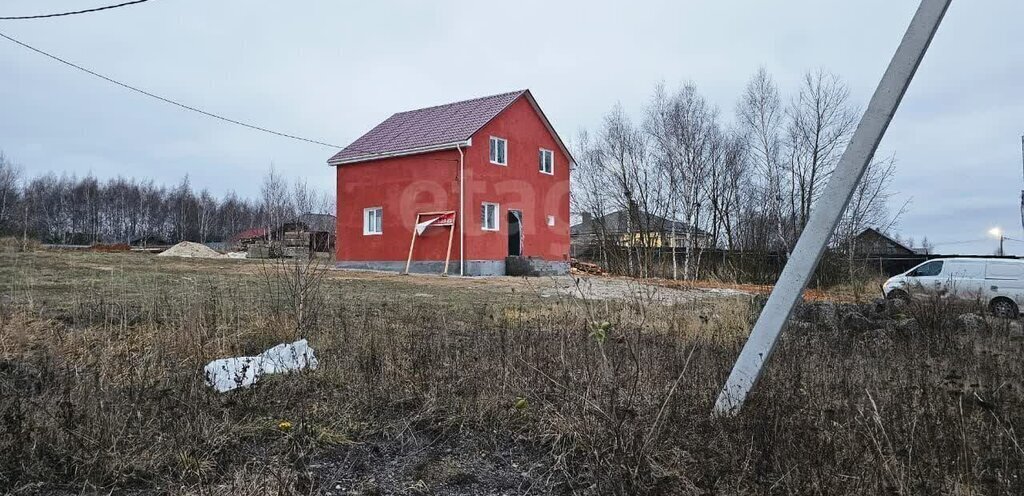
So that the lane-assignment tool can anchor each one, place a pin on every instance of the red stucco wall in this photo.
(404, 186)
(518, 186)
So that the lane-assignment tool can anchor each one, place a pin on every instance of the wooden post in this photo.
(451, 234)
(448, 256)
(412, 243)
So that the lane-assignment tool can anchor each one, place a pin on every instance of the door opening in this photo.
(515, 233)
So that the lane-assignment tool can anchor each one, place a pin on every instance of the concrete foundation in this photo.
(473, 267)
(533, 267)
(520, 266)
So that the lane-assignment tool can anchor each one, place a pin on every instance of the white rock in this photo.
(226, 374)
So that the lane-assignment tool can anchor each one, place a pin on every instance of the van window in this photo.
(932, 268)
(964, 270)
(1004, 270)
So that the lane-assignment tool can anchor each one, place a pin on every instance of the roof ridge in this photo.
(429, 128)
(461, 102)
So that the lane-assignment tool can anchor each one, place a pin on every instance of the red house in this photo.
(488, 179)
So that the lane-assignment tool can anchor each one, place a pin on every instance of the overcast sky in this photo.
(331, 70)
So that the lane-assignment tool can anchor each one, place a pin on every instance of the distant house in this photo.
(641, 229)
(306, 233)
(318, 222)
(872, 242)
(479, 183)
(249, 236)
(149, 240)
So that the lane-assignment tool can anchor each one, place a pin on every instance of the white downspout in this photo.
(462, 209)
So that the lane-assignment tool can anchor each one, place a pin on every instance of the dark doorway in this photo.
(515, 233)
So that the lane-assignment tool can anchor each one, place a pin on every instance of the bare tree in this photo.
(10, 177)
(206, 210)
(926, 246)
(275, 200)
(589, 193)
(622, 154)
(729, 183)
(687, 136)
(760, 116)
(869, 207)
(69, 209)
(821, 121)
(749, 187)
(660, 125)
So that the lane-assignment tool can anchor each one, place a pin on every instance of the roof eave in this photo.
(400, 153)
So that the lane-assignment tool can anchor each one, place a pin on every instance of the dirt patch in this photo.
(615, 288)
(447, 463)
(585, 287)
(112, 248)
(838, 295)
(188, 249)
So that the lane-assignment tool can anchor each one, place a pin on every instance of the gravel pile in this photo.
(188, 249)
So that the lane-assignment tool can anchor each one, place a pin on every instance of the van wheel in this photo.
(898, 294)
(1004, 308)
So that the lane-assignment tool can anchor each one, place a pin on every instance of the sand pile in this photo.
(188, 249)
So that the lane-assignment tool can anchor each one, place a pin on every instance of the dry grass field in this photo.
(432, 385)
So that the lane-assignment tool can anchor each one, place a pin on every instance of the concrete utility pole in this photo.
(829, 208)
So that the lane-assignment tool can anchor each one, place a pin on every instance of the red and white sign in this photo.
(442, 220)
(445, 220)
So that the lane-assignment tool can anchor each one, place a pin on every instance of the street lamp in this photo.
(997, 232)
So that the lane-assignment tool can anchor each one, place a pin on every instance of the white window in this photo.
(489, 216)
(551, 220)
(499, 152)
(547, 161)
(373, 221)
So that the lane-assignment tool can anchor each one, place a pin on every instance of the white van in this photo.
(996, 281)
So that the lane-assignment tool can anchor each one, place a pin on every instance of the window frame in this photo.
(366, 221)
(550, 153)
(917, 271)
(551, 221)
(492, 155)
(497, 216)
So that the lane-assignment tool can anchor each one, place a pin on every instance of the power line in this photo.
(62, 14)
(967, 241)
(168, 100)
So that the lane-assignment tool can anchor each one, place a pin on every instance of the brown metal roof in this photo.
(426, 128)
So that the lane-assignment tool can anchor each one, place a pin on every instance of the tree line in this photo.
(746, 183)
(67, 209)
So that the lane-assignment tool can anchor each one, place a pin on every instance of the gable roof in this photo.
(618, 222)
(433, 128)
(256, 232)
(318, 222)
(875, 233)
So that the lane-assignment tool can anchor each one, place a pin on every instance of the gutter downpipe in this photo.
(462, 208)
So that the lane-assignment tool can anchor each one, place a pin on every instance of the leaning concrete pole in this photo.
(829, 208)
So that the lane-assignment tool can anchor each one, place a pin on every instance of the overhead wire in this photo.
(168, 100)
(966, 241)
(75, 12)
(195, 109)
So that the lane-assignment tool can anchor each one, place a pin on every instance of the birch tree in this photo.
(821, 121)
(10, 177)
(760, 119)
